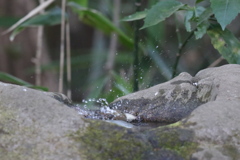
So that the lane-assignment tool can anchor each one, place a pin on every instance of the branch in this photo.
(37, 60)
(216, 62)
(180, 54)
(62, 47)
(68, 46)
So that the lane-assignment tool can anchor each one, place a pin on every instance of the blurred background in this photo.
(102, 63)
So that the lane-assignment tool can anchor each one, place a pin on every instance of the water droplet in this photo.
(195, 84)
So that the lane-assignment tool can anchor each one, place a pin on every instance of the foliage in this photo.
(49, 18)
(136, 16)
(160, 12)
(225, 11)
(200, 20)
(98, 20)
(226, 43)
(89, 16)
(11, 79)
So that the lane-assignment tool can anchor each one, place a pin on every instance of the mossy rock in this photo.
(34, 125)
(103, 140)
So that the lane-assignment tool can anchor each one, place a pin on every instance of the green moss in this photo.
(102, 140)
(6, 116)
(177, 140)
(231, 151)
(176, 124)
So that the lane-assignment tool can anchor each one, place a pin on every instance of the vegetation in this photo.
(138, 50)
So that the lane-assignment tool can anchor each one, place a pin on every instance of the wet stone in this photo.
(169, 107)
(164, 103)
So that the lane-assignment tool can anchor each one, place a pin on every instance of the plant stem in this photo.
(37, 60)
(178, 33)
(136, 49)
(216, 62)
(68, 47)
(62, 47)
(113, 43)
(180, 53)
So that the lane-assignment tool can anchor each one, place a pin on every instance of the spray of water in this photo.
(100, 111)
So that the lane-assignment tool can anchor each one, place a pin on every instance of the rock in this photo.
(211, 129)
(216, 123)
(167, 102)
(34, 125)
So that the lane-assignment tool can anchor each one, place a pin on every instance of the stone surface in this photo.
(167, 102)
(214, 123)
(39, 125)
(33, 125)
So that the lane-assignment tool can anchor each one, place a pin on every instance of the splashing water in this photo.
(89, 102)
(101, 109)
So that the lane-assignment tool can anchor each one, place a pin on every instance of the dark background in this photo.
(90, 48)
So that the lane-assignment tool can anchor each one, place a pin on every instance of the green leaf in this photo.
(31, 14)
(49, 18)
(11, 79)
(204, 16)
(160, 12)
(136, 16)
(98, 20)
(7, 21)
(201, 30)
(226, 44)
(198, 18)
(199, 10)
(198, 1)
(225, 11)
(202, 23)
(15, 33)
(83, 3)
(188, 17)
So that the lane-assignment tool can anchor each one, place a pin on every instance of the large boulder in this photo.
(203, 112)
(33, 125)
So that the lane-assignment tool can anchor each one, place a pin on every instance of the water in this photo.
(102, 102)
(97, 109)
(100, 109)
